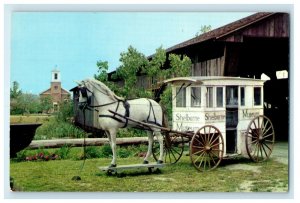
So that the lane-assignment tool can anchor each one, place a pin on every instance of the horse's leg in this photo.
(161, 146)
(150, 143)
(113, 145)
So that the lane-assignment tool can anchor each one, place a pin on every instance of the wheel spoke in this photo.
(217, 138)
(207, 145)
(201, 143)
(267, 155)
(197, 152)
(212, 146)
(264, 137)
(267, 146)
(265, 131)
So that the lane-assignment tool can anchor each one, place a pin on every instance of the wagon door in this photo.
(231, 118)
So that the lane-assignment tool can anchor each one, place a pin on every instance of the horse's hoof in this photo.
(160, 162)
(113, 165)
(145, 162)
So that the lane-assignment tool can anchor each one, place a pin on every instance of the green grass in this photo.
(180, 177)
(30, 118)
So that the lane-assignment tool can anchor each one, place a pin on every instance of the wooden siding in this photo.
(212, 67)
(275, 26)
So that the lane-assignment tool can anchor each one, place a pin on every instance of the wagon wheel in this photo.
(173, 148)
(207, 148)
(260, 138)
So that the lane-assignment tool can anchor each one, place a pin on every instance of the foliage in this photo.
(46, 104)
(180, 66)
(63, 152)
(134, 64)
(131, 63)
(106, 151)
(57, 129)
(65, 111)
(203, 29)
(102, 71)
(27, 103)
(15, 91)
(154, 66)
(131, 132)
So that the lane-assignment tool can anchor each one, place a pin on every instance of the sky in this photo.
(73, 42)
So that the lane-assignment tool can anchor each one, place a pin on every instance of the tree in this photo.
(46, 104)
(203, 29)
(15, 91)
(102, 71)
(134, 63)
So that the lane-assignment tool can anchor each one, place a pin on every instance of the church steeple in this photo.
(55, 75)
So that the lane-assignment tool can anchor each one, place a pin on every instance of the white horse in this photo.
(142, 109)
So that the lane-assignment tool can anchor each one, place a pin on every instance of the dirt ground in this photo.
(280, 154)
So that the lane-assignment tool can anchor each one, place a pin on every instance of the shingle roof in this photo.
(223, 31)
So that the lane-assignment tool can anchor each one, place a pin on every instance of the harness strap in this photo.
(127, 113)
(151, 109)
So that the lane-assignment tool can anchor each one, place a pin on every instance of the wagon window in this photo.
(257, 96)
(180, 97)
(219, 96)
(242, 96)
(195, 96)
(232, 96)
(209, 97)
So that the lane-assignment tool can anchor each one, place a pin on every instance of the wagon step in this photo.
(150, 166)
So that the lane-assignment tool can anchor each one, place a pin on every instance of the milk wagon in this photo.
(222, 117)
(219, 117)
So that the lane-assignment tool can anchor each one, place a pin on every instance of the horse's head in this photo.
(85, 94)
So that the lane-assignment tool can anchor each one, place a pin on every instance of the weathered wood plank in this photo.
(35, 144)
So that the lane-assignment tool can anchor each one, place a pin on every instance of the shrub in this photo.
(56, 129)
(106, 151)
(63, 152)
(92, 152)
(131, 132)
(123, 152)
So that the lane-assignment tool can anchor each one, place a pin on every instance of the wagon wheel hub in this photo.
(207, 148)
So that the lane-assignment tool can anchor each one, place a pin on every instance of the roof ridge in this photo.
(223, 30)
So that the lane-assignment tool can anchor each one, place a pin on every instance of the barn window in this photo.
(242, 96)
(257, 96)
(196, 96)
(219, 96)
(209, 97)
(181, 97)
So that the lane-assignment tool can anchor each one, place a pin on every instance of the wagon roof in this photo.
(201, 79)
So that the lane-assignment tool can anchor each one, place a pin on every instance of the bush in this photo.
(106, 151)
(131, 132)
(63, 152)
(56, 129)
(77, 153)
(92, 152)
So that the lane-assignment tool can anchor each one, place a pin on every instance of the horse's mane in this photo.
(99, 85)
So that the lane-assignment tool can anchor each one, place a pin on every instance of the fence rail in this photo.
(55, 143)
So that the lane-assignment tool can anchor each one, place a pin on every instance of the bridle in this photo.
(87, 104)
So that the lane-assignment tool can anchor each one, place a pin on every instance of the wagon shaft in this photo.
(148, 125)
